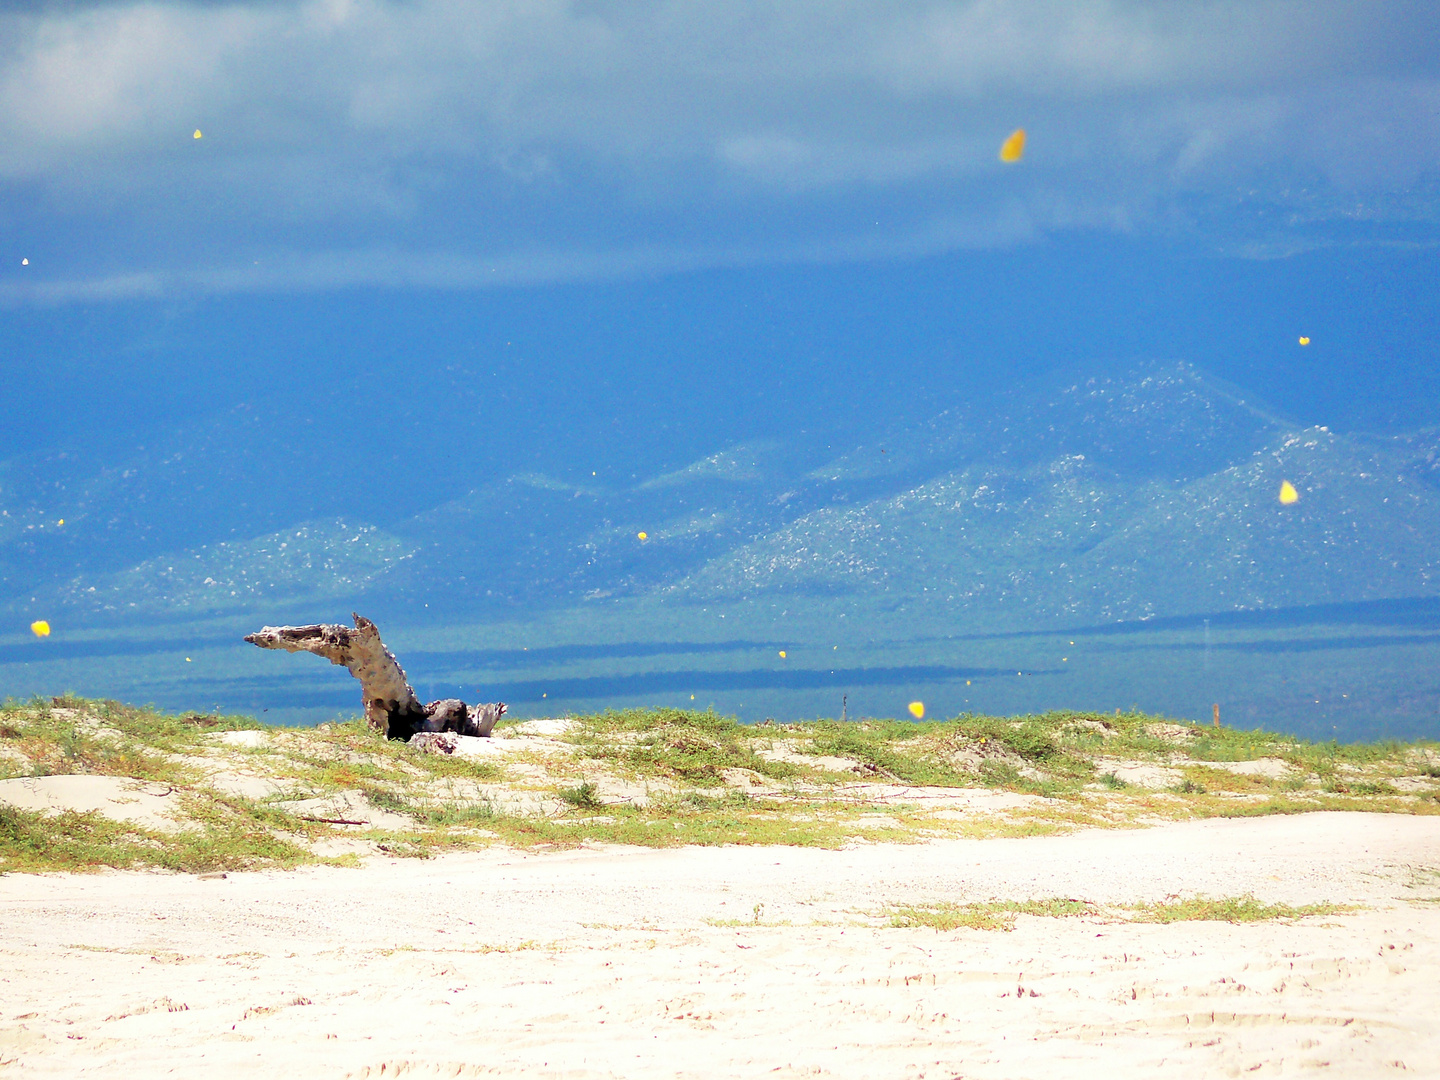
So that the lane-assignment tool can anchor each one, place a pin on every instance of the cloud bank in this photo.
(456, 143)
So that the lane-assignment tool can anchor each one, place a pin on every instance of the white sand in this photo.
(601, 963)
(140, 802)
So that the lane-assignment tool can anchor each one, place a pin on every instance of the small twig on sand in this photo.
(334, 821)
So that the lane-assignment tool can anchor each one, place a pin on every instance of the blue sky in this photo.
(440, 144)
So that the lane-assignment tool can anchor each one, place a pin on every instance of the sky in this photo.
(445, 145)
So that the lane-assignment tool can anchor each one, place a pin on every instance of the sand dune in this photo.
(117, 797)
(743, 961)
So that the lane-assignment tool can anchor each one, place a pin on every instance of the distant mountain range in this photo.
(1088, 499)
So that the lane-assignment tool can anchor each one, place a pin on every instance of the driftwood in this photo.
(390, 704)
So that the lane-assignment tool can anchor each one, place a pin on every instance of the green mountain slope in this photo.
(1091, 499)
(1070, 541)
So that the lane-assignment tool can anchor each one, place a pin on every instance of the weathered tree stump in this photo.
(391, 706)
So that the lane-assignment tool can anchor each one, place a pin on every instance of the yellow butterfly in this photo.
(40, 628)
(1013, 148)
(917, 710)
(1288, 494)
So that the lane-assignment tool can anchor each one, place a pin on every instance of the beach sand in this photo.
(744, 962)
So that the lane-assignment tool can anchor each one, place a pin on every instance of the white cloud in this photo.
(591, 126)
(113, 78)
(447, 270)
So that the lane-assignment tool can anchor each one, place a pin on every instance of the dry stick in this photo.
(334, 821)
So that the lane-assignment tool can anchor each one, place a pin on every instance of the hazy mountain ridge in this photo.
(1165, 420)
(1109, 498)
(259, 466)
(1364, 528)
(315, 560)
(957, 533)
(1074, 541)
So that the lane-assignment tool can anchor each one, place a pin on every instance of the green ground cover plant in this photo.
(661, 778)
(1230, 909)
(892, 748)
(990, 915)
(69, 841)
(686, 745)
(1001, 914)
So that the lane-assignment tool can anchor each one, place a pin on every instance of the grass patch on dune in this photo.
(893, 749)
(582, 797)
(671, 777)
(343, 755)
(31, 841)
(1230, 909)
(55, 736)
(1024, 754)
(991, 915)
(1310, 803)
(679, 744)
(673, 824)
(468, 815)
(1001, 914)
(52, 717)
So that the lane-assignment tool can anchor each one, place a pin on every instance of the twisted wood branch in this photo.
(390, 703)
